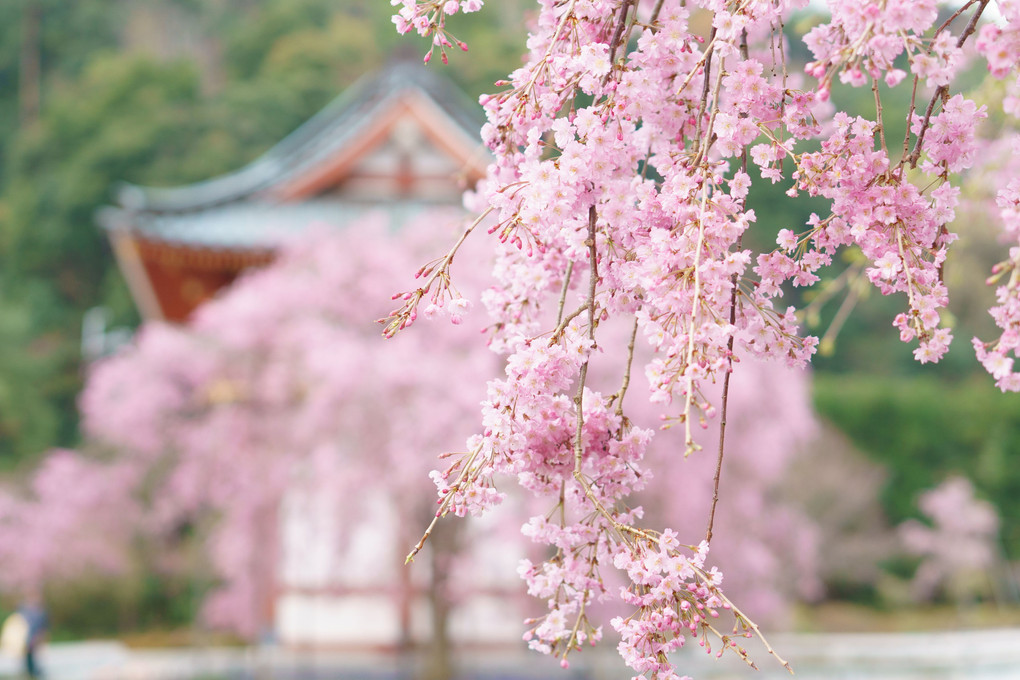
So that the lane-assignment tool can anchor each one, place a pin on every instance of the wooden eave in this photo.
(200, 258)
(169, 281)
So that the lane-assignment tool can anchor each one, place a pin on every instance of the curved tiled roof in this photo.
(339, 123)
(254, 225)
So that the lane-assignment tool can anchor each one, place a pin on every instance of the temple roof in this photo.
(245, 225)
(341, 121)
(397, 141)
(277, 192)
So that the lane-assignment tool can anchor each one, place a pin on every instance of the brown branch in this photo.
(563, 293)
(655, 13)
(942, 90)
(878, 116)
(910, 115)
(919, 143)
(590, 306)
(614, 43)
(706, 84)
(951, 19)
(724, 406)
(626, 375)
(722, 430)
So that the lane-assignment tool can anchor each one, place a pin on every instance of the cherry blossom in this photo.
(76, 515)
(959, 544)
(624, 149)
(281, 386)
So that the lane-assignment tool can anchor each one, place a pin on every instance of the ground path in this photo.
(964, 655)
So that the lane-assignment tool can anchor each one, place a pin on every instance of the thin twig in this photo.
(951, 19)
(694, 71)
(590, 306)
(562, 326)
(843, 313)
(724, 405)
(399, 318)
(572, 641)
(829, 291)
(614, 43)
(626, 374)
(689, 445)
(563, 293)
(743, 619)
(943, 89)
(444, 506)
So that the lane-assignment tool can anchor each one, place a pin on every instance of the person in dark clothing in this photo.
(38, 625)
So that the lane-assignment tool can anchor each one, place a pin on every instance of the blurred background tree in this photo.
(163, 92)
(157, 92)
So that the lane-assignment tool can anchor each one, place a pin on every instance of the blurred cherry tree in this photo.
(958, 548)
(283, 385)
(282, 388)
(76, 516)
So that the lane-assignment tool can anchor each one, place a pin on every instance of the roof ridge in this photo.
(368, 91)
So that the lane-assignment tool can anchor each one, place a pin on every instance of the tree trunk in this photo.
(30, 63)
(438, 659)
(266, 571)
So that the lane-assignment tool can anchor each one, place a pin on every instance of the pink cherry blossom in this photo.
(960, 542)
(624, 148)
(282, 386)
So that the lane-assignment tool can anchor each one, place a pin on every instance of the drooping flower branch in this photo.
(621, 150)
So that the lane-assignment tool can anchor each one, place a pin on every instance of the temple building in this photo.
(401, 141)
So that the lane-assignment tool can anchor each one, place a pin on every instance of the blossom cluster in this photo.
(675, 597)
(74, 516)
(864, 40)
(279, 389)
(959, 545)
(998, 356)
(1000, 44)
(624, 152)
(429, 19)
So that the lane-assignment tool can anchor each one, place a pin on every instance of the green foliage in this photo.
(28, 413)
(924, 429)
(97, 606)
(124, 115)
(69, 33)
(250, 41)
(127, 118)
